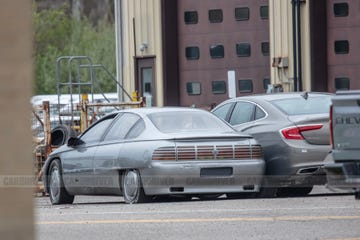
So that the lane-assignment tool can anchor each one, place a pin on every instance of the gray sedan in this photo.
(293, 129)
(146, 152)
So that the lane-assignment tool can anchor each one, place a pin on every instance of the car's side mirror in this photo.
(74, 141)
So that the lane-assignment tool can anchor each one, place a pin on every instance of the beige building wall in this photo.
(281, 44)
(147, 30)
(16, 191)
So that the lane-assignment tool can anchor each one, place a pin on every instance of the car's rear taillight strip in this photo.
(223, 152)
(294, 133)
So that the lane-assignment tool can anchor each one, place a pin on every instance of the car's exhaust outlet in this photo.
(309, 170)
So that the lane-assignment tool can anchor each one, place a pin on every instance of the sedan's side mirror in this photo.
(74, 141)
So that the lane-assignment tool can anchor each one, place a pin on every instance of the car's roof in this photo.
(277, 96)
(149, 110)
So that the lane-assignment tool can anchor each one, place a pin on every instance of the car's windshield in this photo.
(300, 106)
(180, 121)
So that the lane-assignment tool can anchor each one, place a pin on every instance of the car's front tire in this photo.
(57, 191)
(132, 189)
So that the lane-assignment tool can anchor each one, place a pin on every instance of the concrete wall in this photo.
(16, 191)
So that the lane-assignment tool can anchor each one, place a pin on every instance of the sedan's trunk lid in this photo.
(314, 128)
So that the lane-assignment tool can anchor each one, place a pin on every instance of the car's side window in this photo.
(259, 113)
(222, 111)
(122, 126)
(96, 131)
(136, 130)
(243, 112)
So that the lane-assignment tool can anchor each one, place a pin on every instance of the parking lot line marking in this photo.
(344, 239)
(200, 220)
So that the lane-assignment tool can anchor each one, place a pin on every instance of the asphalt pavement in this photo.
(321, 215)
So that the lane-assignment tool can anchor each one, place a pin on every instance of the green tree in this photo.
(58, 34)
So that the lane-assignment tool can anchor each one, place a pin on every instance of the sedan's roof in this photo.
(278, 96)
(149, 110)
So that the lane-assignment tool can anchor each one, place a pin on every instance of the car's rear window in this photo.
(172, 122)
(301, 106)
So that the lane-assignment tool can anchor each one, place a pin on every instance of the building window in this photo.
(218, 87)
(193, 88)
(243, 49)
(265, 48)
(242, 13)
(191, 17)
(245, 86)
(342, 47)
(215, 15)
(341, 9)
(264, 12)
(192, 53)
(217, 51)
(266, 83)
(342, 83)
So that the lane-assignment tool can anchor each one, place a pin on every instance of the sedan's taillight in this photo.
(294, 133)
(331, 128)
(164, 154)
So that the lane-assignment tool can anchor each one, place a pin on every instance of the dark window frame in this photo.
(189, 85)
(262, 16)
(213, 13)
(187, 16)
(214, 49)
(338, 7)
(339, 48)
(217, 83)
(237, 15)
(246, 90)
(243, 52)
(265, 81)
(337, 83)
(263, 47)
(188, 52)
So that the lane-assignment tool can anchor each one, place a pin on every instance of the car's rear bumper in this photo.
(294, 163)
(345, 176)
(202, 177)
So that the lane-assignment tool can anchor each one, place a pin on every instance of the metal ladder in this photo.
(74, 83)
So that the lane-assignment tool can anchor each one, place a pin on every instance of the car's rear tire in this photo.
(241, 195)
(267, 192)
(295, 191)
(57, 191)
(357, 194)
(132, 189)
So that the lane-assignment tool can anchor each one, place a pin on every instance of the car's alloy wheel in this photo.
(132, 189)
(57, 191)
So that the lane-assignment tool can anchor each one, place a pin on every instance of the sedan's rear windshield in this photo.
(172, 122)
(300, 106)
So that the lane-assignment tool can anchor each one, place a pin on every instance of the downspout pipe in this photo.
(294, 39)
(299, 45)
(119, 48)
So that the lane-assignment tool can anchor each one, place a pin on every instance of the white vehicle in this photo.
(343, 163)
